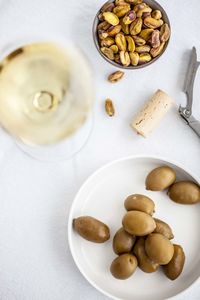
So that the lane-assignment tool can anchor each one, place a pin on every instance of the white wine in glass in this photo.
(46, 95)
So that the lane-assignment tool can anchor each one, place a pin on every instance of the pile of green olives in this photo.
(144, 241)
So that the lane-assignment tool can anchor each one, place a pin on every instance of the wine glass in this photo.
(46, 96)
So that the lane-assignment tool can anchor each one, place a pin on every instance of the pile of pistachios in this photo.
(130, 32)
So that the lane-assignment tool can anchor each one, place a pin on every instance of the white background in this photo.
(35, 197)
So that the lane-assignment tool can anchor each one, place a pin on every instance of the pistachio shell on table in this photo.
(109, 107)
(116, 76)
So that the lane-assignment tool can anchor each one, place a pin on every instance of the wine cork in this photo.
(152, 113)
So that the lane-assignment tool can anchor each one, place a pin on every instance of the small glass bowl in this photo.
(155, 6)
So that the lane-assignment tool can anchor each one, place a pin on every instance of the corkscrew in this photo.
(186, 112)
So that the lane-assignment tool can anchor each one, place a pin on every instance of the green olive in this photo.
(160, 178)
(163, 228)
(91, 229)
(123, 242)
(174, 268)
(123, 266)
(185, 192)
(138, 223)
(139, 202)
(144, 262)
(159, 248)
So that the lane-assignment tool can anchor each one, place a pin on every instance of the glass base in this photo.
(63, 150)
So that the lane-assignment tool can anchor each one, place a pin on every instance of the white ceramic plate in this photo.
(102, 196)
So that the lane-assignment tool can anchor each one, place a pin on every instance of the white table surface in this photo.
(35, 197)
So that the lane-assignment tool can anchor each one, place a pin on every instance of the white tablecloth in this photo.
(35, 197)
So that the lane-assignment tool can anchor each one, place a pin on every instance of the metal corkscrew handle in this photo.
(186, 112)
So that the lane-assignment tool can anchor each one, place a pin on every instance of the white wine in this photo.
(45, 92)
